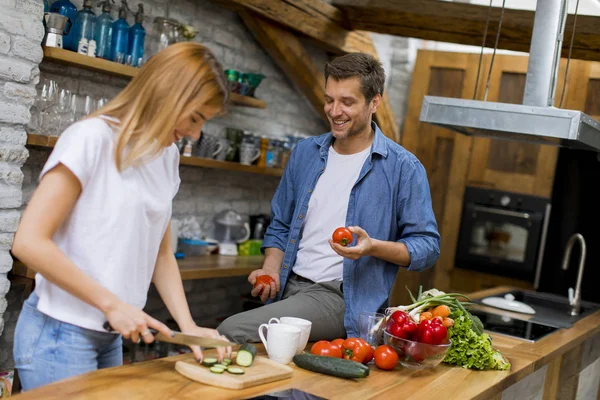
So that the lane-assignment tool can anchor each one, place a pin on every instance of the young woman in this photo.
(97, 227)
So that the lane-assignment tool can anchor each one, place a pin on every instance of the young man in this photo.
(352, 176)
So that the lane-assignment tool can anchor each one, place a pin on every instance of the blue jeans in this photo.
(47, 350)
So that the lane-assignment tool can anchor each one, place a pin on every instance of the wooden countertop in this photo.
(201, 267)
(158, 378)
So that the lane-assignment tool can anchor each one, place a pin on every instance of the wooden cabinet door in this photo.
(444, 154)
(509, 165)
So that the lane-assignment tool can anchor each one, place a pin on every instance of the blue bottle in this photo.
(120, 35)
(85, 23)
(137, 35)
(103, 33)
(68, 9)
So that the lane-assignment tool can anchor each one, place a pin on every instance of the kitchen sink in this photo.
(550, 309)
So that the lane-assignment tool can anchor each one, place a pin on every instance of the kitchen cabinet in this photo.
(454, 161)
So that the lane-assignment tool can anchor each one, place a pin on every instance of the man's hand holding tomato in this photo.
(363, 247)
(265, 283)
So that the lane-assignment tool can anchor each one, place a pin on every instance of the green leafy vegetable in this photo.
(471, 349)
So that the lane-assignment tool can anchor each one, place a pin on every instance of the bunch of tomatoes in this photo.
(356, 349)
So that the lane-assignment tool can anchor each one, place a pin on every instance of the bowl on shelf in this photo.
(417, 355)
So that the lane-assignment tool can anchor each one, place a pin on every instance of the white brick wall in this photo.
(20, 54)
(203, 192)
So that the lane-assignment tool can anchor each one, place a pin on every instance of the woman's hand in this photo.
(223, 352)
(133, 323)
(264, 291)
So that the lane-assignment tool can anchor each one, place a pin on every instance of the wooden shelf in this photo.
(203, 267)
(67, 57)
(49, 142)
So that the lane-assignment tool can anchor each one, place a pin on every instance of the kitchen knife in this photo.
(182, 338)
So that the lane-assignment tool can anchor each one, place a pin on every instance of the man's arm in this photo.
(419, 245)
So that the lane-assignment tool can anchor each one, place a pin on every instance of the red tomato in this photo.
(327, 349)
(355, 349)
(342, 236)
(263, 280)
(385, 357)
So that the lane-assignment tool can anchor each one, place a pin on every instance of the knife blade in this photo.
(191, 340)
(182, 338)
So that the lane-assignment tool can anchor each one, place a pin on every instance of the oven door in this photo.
(499, 241)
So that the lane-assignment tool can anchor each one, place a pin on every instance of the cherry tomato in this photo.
(264, 280)
(385, 357)
(342, 236)
(327, 349)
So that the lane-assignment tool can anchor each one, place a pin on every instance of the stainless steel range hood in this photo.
(535, 121)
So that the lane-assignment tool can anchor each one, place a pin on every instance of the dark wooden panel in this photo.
(510, 156)
(592, 102)
(439, 175)
(454, 22)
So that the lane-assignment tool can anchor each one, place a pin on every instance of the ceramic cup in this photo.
(248, 153)
(302, 324)
(281, 342)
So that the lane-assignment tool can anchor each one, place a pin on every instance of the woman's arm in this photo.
(167, 280)
(50, 205)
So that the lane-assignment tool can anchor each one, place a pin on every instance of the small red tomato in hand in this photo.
(327, 349)
(385, 357)
(342, 236)
(264, 280)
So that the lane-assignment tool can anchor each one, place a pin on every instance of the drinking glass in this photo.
(367, 327)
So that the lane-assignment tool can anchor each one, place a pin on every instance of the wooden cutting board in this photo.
(261, 371)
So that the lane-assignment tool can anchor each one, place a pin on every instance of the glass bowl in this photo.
(416, 355)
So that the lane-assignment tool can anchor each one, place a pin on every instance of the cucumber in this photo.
(235, 370)
(217, 370)
(226, 361)
(220, 366)
(209, 362)
(245, 355)
(331, 366)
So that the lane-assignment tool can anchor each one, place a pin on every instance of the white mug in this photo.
(302, 324)
(281, 342)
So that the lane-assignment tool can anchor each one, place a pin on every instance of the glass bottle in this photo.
(120, 35)
(103, 33)
(85, 23)
(137, 35)
(68, 9)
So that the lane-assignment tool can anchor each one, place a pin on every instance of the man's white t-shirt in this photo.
(114, 231)
(327, 210)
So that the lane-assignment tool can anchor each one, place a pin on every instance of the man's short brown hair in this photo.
(362, 65)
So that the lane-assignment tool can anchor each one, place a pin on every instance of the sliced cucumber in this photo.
(235, 370)
(245, 355)
(217, 370)
(226, 361)
(209, 362)
(220, 365)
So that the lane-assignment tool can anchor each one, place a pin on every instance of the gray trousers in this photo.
(321, 303)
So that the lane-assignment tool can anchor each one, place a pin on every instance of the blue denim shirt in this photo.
(390, 201)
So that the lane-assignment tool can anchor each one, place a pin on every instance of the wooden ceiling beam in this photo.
(288, 52)
(463, 24)
(316, 19)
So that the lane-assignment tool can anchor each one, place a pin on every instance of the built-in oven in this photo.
(503, 233)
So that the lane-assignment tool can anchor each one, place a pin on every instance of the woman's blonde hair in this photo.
(175, 82)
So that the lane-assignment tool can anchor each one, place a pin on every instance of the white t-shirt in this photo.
(327, 209)
(114, 231)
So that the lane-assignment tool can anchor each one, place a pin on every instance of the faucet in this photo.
(575, 300)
